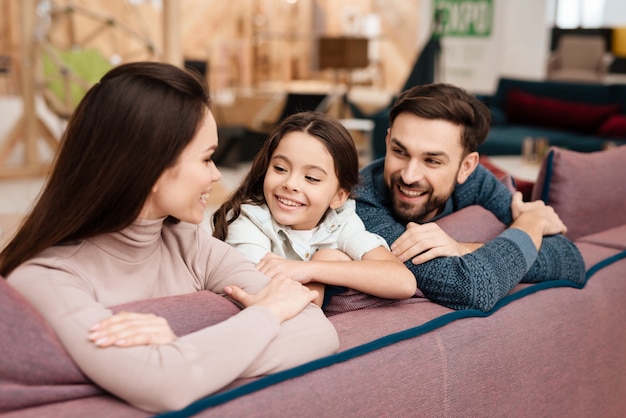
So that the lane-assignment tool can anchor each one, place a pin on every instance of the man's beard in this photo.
(406, 212)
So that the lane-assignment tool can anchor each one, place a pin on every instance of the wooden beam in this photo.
(29, 127)
(172, 52)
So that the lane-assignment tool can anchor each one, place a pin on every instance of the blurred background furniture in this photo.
(579, 58)
(63, 50)
(579, 116)
(423, 71)
(240, 143)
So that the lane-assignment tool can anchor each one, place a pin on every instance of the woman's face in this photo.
(300, 182)
(181, 190)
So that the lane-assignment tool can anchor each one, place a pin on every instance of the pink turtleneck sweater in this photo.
(72, 285)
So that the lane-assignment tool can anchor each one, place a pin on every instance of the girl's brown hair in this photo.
(329, 131)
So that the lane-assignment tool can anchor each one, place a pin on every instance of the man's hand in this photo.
(127, 329)
(518, 206)
(540, 212)
(539, 222)
(425, 242)
(536, 219)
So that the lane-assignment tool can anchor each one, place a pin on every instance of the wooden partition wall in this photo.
(247, 44)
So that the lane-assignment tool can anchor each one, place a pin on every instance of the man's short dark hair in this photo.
(450, 103)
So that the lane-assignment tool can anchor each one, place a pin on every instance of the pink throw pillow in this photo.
(587, 190)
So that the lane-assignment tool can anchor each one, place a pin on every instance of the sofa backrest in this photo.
(36, 370)
(618, 95)
(576, 92)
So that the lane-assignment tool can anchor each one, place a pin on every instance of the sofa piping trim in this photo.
(266, 381)
(545, 193)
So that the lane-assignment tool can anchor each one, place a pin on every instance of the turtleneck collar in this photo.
(133, 243)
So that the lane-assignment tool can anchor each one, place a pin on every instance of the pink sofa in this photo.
(550, 349)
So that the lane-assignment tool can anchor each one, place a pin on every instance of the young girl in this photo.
(292, 215)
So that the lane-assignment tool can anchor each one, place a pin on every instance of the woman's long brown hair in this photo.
(126, 131)
(329, 131)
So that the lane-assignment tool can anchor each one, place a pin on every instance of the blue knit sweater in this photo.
(480, 279)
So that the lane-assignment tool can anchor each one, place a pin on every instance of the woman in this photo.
(118, 222)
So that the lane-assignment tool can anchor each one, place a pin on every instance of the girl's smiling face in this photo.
(300, 182)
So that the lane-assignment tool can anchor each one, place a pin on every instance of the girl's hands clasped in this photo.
(127, 329)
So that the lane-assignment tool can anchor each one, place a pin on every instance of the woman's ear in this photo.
(339, 199)
(468, 165)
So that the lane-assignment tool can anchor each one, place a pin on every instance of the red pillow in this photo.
(614, 127)
(524, 186)
(525, 108)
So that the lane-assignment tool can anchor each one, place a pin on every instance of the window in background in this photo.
(579, 13)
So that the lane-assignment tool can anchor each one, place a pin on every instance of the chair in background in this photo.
(579, 58)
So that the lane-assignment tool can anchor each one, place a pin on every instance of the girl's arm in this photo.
(378, 273)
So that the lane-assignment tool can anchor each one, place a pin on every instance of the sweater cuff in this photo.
(523, 241)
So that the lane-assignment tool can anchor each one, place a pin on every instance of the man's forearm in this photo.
(477, 280)
(558, 259)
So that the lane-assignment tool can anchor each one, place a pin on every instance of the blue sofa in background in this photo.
(578, 116)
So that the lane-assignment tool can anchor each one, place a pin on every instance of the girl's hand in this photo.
(284, 297)
(275, 266)
(128, 329)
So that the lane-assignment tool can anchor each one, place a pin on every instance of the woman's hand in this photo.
(284, 297)
(128, 329)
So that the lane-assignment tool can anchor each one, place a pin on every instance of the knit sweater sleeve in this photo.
(474, 281)
(558, 257)
(479, 279)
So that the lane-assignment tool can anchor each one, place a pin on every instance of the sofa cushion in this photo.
(612, 238)
(35, 369)
(471, 224)
(614, 127)
(526, 108)
(586, 189)
(185, 313)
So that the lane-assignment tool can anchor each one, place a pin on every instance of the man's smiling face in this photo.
(423, 164)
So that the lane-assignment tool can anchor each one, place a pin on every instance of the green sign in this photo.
(464, 17)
